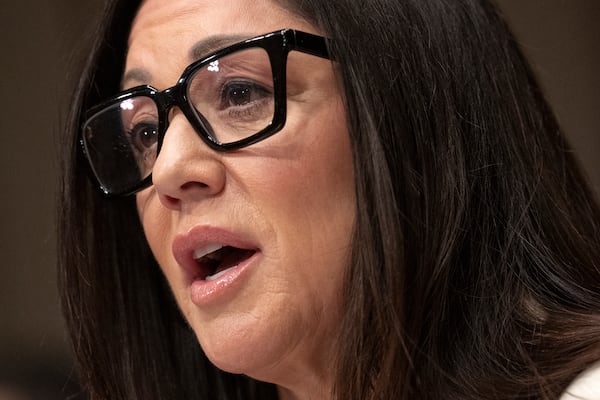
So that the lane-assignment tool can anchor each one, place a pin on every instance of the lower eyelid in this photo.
(247, 108)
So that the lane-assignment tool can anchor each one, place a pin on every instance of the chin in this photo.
(243, 344)
(242, 356)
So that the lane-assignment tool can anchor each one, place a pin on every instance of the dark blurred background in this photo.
(42, 43)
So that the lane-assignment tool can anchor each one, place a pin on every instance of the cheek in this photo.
(146, 209)
(320, 180)
(312, 195)
(156, 223)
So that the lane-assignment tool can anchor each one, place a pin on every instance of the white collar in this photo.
(586, 386)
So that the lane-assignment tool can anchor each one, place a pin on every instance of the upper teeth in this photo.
(210, 248)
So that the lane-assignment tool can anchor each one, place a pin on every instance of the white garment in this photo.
(586, 386)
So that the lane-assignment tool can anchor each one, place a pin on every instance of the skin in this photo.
(292, 195)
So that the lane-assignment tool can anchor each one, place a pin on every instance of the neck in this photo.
(305, 393)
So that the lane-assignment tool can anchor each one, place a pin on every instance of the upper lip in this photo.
(201, 240)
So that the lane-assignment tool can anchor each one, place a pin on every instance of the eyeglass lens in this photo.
(231, 98)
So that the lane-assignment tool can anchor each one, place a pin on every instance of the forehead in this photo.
(165, 34)
(160, 22)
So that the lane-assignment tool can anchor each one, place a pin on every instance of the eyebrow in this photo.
(213, 43)
(139, 75)
(200, 49)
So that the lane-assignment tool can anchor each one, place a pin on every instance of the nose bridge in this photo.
(167, 100)
(185, 166)
(170, 98)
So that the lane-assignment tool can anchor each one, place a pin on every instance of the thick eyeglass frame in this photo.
(277, 45)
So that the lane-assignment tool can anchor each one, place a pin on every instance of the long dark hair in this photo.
(476, 263)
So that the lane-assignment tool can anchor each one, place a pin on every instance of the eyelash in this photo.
(245, 85)
(247, 108)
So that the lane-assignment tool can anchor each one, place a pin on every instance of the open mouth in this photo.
(215, 260)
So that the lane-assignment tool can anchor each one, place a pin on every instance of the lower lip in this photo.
(203, 292)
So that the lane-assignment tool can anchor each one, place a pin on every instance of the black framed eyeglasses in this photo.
(233, 98)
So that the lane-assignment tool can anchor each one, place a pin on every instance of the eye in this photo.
(242, 94)
(143, 136)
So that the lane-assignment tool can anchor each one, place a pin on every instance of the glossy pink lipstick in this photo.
(214, 261)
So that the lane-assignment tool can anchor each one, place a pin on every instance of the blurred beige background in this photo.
(41, 41)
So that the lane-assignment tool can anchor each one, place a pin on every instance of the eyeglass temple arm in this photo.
(311, 44)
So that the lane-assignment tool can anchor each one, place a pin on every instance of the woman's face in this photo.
(266, 304)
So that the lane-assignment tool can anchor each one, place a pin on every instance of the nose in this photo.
(186, 169)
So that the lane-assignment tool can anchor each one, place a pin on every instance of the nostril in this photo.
(169, 201)
(191, 185)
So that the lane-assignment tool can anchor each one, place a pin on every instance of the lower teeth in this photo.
(218, 274)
